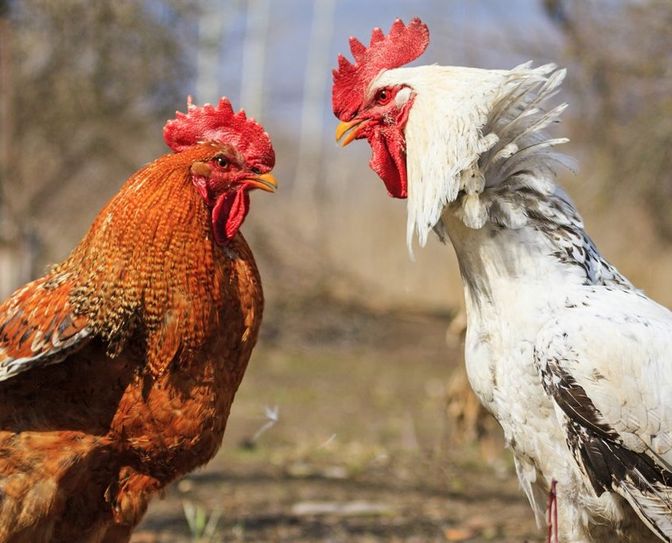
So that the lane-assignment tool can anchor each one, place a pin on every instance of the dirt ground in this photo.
(361, 451)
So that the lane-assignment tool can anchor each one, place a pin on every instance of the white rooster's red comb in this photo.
(219, 125)
(402, 45)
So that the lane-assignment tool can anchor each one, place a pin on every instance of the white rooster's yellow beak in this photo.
(347, 131)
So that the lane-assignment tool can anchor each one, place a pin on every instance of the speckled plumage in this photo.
(119, 366)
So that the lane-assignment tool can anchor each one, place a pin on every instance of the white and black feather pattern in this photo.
(606, 365)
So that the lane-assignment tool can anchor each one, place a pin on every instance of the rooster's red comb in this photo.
(402, 45)
(219, 125)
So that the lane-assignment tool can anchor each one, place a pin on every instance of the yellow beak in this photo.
(264, 182)
(349, 130)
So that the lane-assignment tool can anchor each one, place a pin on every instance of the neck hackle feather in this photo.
(149, 244)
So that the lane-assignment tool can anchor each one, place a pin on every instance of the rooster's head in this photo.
(232, 155)
(441, 136)
(375, 111)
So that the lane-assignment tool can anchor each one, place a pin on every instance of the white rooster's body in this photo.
(569, 357)
(520, 305)
(572, 360)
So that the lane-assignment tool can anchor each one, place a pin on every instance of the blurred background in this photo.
(354, 422)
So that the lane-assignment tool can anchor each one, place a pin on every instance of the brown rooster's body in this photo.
(135, 346)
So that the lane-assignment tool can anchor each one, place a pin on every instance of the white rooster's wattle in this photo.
(572, 360)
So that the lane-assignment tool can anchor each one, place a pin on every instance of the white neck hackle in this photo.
(470, 132)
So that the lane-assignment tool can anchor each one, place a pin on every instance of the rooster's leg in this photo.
(552, 514)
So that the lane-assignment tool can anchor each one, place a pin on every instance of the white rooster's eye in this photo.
(383, 96)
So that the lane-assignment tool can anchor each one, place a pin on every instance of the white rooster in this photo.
(572, 360)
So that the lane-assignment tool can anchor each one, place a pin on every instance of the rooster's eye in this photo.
(255, 171)
(222, 161)
(383, 96)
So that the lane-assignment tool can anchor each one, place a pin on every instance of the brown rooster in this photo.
(118, 367)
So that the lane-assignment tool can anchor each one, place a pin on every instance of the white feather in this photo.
(453, 108)
(539, 296)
